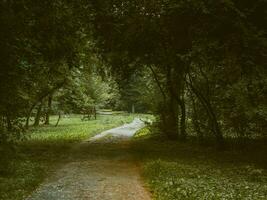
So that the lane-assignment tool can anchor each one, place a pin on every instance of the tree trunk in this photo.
(41, 97)
(172, 119)
(183, 119)
(29, 116)
(49, 108)
(158, 83)
(194, 120)
(95, 112)
(212, 116)
(38, 115)
(216, 128)
(172, 103)
(169, 108)
(58, 119)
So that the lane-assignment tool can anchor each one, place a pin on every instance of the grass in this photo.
(73, 129)
(172, 170)
(186, 171)
(25, 165)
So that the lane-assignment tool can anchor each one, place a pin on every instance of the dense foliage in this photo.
(47, 66)
(193, 56)
(199, 66)
(208, 59)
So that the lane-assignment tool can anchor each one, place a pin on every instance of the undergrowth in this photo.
(187, 171)
(178, 180)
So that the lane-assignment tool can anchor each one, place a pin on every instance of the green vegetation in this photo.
(202, 61)
(199, 66)
(182, 180)
(73, 129)
(175, 170)
(24, 166)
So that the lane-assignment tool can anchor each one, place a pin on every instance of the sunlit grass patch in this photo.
(144, 132)
(73, 129)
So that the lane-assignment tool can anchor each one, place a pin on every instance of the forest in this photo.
(194, 71)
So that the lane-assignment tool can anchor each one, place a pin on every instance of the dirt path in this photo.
(98, 169)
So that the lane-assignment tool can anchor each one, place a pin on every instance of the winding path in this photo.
(101, 168)
(123, 132)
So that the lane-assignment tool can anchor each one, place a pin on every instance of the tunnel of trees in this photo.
(198, 65)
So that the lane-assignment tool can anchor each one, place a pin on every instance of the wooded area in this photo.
(198, 66)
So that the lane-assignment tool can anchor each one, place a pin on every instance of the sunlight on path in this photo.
(97, 171)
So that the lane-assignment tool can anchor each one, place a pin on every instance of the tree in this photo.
(192, 46)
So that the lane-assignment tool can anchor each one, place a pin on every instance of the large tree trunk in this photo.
(156, 78)
(176, 90)
(172, 119)
(195, 120)
(172, 102)
(172, 126)
(48, 111)
(38, 115)
(169, 107)
(212, 116)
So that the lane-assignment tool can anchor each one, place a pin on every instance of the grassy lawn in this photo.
(24, 166)
(176, 171)
(73, 129)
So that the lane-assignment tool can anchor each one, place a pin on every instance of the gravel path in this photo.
(125, 131)
(98, 170)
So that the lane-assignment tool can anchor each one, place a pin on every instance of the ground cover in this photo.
(176, 170)
(25, 165)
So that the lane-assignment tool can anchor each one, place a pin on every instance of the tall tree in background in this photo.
(204, 56)
(191, 45)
